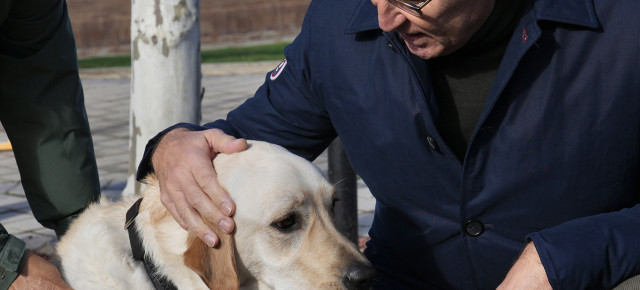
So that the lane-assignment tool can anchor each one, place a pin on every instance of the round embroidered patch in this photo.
(278, 70)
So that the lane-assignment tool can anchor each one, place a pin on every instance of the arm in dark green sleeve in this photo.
(42, 110)
(12, 258)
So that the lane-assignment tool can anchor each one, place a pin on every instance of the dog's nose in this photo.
(359, 277)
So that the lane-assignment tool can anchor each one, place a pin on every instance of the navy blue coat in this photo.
(554, 157)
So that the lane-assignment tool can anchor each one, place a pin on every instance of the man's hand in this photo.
(189, 186)
(527, 272)
(38, 274)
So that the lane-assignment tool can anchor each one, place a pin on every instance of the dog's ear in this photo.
(216, 266)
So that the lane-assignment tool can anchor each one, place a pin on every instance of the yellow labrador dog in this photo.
(284, 237)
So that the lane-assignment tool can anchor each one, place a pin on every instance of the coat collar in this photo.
(364, 18)
(576, 12)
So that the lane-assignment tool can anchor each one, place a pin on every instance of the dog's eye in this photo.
(333, 205)
(289, 223)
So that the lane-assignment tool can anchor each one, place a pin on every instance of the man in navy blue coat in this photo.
(490, 132)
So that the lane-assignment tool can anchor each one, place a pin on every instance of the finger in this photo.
(192, 191)
(168, 203)
(199, 226)
(204, 176)
(219, 143)
(202, 203)
(193, 221)
(236, 145)
(189, 203)
(223, 143)
(209, 183)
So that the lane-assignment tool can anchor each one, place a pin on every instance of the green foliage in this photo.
(252, 53)
(232, 54)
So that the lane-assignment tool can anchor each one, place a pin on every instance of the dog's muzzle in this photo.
(359, 276)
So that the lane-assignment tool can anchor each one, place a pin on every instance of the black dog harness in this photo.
(159, 281)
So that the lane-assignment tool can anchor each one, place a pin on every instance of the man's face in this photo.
(442, 27)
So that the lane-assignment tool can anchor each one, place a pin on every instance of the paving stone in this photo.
(17, 190)
(45, 232)
(7, 186)
(20, 223)
(13, 203)
(6, 214)
(41, 244)
(117, 185)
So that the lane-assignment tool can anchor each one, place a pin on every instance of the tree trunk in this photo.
(165, 72)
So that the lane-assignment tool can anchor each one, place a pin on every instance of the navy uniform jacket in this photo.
(554, 157)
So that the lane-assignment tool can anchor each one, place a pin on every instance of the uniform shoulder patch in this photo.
(278, 70)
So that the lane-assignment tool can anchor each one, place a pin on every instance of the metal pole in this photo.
(342, 176)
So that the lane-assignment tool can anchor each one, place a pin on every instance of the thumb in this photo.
(219, 142)
(236, 145)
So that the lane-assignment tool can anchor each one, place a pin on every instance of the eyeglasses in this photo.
(411, 6)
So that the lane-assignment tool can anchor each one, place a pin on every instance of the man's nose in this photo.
(389, 17)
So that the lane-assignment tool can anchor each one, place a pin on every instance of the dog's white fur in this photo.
(269, 185)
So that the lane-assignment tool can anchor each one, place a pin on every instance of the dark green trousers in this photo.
(42, 110)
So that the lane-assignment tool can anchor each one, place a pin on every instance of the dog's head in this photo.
(285, 237)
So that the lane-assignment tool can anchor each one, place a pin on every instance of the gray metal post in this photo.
(346, 186)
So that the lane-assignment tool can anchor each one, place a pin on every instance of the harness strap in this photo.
(160, 282)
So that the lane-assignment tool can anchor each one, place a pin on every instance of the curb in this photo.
(208, 69)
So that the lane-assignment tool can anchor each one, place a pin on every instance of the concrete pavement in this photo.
(107, 93)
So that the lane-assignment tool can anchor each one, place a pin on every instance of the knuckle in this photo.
(215, 132)
(177, 217)
(183, 215)
(195, 198)
(216, 137)
(182, 224)
(165, 199)
(206, 180)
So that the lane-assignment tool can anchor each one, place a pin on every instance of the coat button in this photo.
(432, 143)
(474, 228)
(392, 47)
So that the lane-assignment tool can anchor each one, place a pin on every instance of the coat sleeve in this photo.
(286, 110)
(42, 110)
(596, 252)
(12, 258)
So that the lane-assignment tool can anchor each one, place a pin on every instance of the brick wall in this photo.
(102, 27)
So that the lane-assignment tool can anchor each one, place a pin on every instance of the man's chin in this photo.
(428, 50)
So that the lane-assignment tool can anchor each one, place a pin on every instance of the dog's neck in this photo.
(137, 250)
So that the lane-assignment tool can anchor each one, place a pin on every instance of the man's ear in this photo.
(216, 266)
